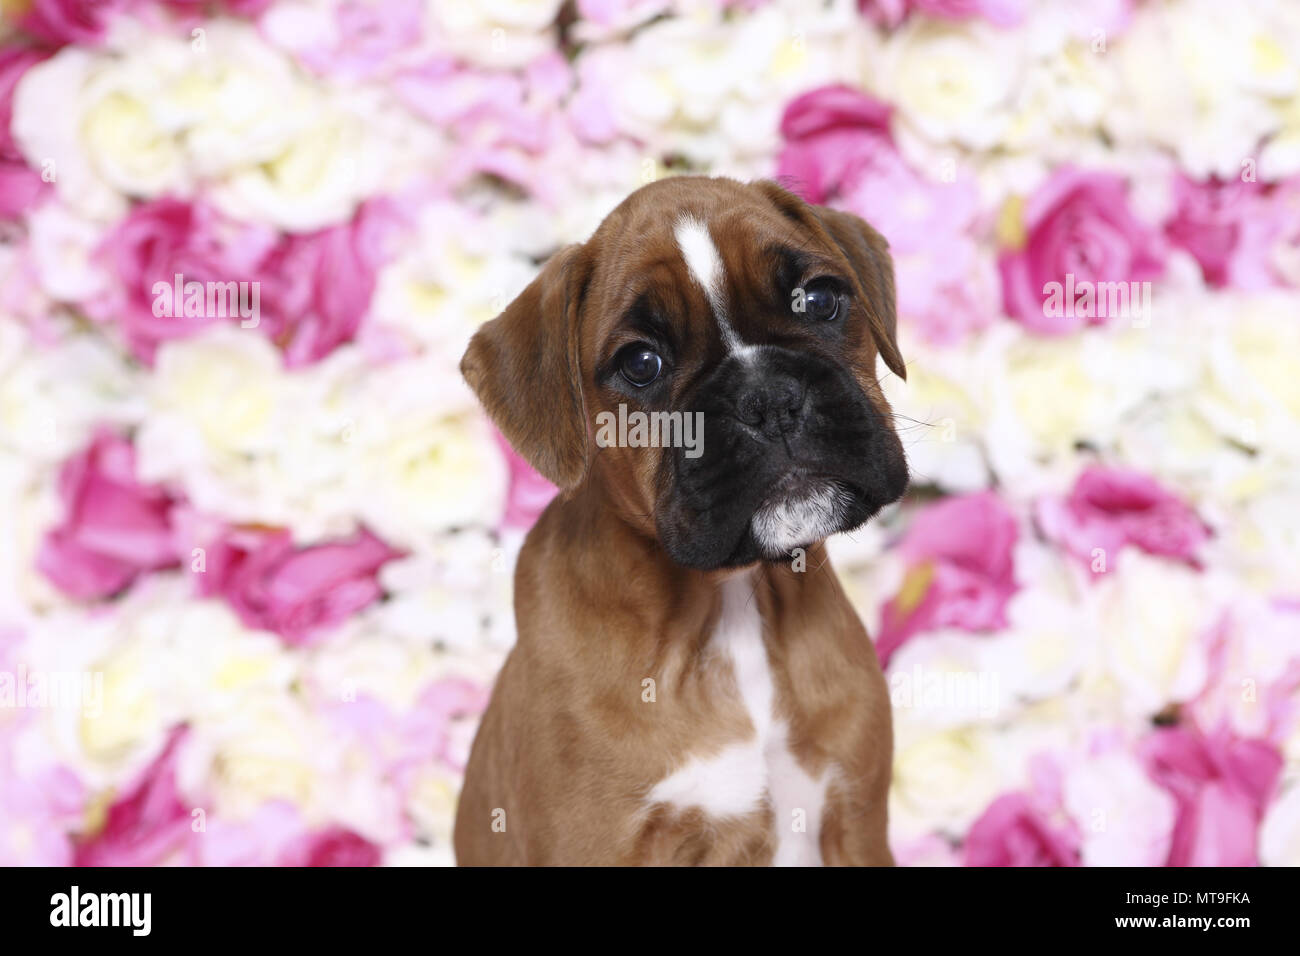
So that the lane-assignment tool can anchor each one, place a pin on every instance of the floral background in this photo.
(270, 566)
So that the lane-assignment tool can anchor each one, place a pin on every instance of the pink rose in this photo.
(529, 492)
(431, 726)
(1243, 234)
(308, 293)
(1016, 831)
(501, 123)
(295, 592)
(258, 840)
(1268, 251)
(1112, 507)
(1221, 784)
(355, 40)
(1208, 221)
(164, 238)
(147, 823)
(1079, 231)
(20, 185)
(113, 527)
(41, 801)
(839, 150)
(332, 846)
(316, 288)
(834, 135)
(70, 21)
(890, 13)
(959, 553)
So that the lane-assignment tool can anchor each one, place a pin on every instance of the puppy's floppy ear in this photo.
(868, 254)
(524, 367)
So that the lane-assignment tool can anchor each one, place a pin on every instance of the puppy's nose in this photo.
(773, 405)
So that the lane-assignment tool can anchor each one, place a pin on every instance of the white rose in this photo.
(943, 779)
(52, 398)
(220, 395)
(456, 274)
(1197, 82)
(64, 250)
(494, 33)
(429, 461)
(1279, 832)
(1041, 651)
(951, 84)
(944, 679)
(1253, 393)
(1124, 818)
(163, 657)
(941, 411)
(1153, 618)
(458, 593)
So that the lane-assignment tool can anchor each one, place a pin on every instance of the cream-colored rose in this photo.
(52, 399)
(943, 779)
(951, 83)
(218, 395)
(941, 411)
(155, 115)
(493, 33)
(1153, 618)
(1252, 395)
(944, 679)
(1198, 82)
(361, 660)
(1055, 393)
(429, 461)
(164, 658)
(49, 126)
(712, 87)
(454, 275)
(456, 592)
(271, 749)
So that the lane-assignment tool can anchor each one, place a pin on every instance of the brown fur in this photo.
(568, 748)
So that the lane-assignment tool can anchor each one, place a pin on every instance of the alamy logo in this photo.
(102, 909)
(73, 690)
(210, 300)
(651, 430)
(1102, 300)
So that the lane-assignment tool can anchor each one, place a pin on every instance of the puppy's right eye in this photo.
(640, 365)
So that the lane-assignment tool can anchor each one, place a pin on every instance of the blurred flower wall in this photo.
(258, 538)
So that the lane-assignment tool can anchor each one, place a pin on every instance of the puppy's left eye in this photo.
(640, 365)
(820, 302)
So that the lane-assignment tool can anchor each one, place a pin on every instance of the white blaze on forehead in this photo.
(705, 265)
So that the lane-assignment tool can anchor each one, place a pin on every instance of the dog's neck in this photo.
(631, 556)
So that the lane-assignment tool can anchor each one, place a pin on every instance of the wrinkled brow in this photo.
(793, 264)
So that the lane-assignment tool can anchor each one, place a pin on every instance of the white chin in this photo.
(799, 520)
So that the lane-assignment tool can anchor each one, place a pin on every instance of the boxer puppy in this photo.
(690, 684)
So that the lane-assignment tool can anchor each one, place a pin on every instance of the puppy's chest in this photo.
(758, 774)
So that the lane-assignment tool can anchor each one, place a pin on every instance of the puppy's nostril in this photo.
(772, 403)
(792, 396)
(751, 408)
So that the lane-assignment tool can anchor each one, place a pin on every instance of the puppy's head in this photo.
(750, 321)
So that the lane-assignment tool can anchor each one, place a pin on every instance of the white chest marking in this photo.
(705, 265)
(738, 779)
